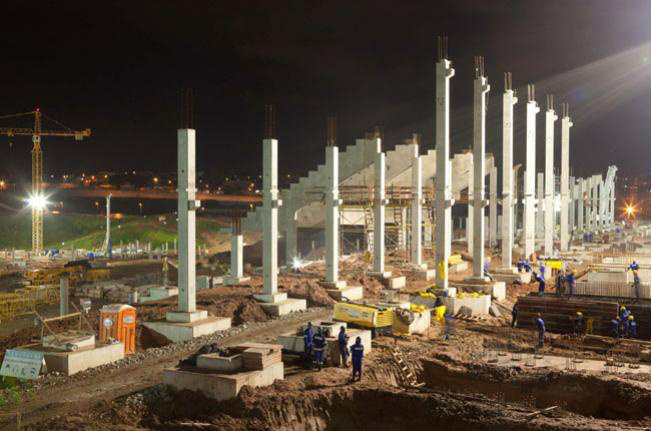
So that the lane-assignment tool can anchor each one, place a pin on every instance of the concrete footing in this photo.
(511, 275)
(181, 326)
(70, 363)
(234, 281)
(479, 306)
(496, 289)
(352, 293)
(395, 282)
(279, 305)
(424, 274)
(159, 293)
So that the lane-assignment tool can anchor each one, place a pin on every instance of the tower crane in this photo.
(37, 199)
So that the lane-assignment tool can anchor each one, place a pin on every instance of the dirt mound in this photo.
(310, 290)
(240, 309)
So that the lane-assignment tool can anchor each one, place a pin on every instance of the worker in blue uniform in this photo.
(357, 354)
(632, 327)
(319, 348)
(633, 267)
(308, 338)
(520, 264)
(579, 324)
(540, 326)
(541, 283)
(615, 325)
(570, 280)
(343, 346)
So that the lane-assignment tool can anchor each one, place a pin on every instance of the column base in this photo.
(234, 280)
(424, 273)
(339, 290)
(277, 304)
(184, 326)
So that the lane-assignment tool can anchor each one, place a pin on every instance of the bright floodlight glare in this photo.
(297, 264)
(38, 202)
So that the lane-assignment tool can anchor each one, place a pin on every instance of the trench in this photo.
(586, 395)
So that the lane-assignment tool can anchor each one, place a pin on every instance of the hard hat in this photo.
(631, 317)
(622, 308)
(578, 313)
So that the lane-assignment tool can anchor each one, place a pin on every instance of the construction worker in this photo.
(615, 327)
(579, 324)
(623, 320)
(542, 269)
(560, 284)
(633, 267)
(514, 315)
(319, 348)
(540, 325)
(343, 346)
(308, 339)
(486, 273)
(527, 266)
(520, 264)
(357, 357)
(541, 283)
(636, 283)
(632, 327)
(570, 280)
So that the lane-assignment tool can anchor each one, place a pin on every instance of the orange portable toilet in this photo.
(118, 322)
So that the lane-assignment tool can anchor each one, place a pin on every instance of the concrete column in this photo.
(530, 175)
(550, 214)
(379, 206)
(332, 214)
(237, 252)
(470, 225)
(291, 235)
(566, 123)
(443, 181)
(611, 212)
(540, 205)
(508, 186)
(481, 89)
(187, 206)
(416, 206)
(107, 240)
(580, 219)
(492, 208)
(596, 186)
(571, 208)
(270, 205)
(64, 296)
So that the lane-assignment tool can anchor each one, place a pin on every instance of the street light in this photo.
(38, 202)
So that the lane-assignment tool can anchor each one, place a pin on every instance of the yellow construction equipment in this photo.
(377, 319)
(37, 199)
(77, 272)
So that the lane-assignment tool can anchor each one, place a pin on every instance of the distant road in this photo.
(150, 194)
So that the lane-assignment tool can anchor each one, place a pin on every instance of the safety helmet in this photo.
(631, 317)
(578, 313)
(622, 308)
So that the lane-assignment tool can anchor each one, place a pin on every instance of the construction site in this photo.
(396, 285)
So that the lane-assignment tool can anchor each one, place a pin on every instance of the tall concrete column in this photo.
(596, 186)
(580, 219)
(270, 205)
(443, 181)
(540, 205)
(416, 206)
(64, 296)
(572, 208)
(187, 206)
(379, 205)
(332, 213)
(550, 214)
(107, 240)
(481, 89)
(492, 207)
(470, 226)
(237, 253)
(530, 174)
(508, 186)
(566, 123)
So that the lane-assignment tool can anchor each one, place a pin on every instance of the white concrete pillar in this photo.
(540, 205)
(530, 175)
(492, 207)
(107, 240)
(596, 186)
(550, 214)
(571, 208)
(379, 206)
(443, 181)
(416, 206)
(470, 225)
(508, 179)
(481, 89)
(187, 206)
(270, 205)
(332, 214)
(580, 205)
(237, 253)
(566, 123)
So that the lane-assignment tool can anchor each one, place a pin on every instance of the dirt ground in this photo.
(457, 388)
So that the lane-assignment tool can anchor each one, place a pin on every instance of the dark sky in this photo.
(117, 67)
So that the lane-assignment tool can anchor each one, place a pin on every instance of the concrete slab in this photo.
(184, 331)
(458, 267)
(340, 284)
(395, 282)
(234, 281)
(70, 363)
(479, 306)
(424, 274)
(497, 289)
(271, 298)
(186, 317)
(353, 293)
(282, 308)
(560, 363)
(221, 386)
(159, 293)
(214, 362)
(420, 325)
(380, 275)
(511, 276)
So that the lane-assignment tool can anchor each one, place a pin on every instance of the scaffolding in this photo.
(25, 300)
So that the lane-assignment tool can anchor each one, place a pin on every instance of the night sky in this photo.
(117, 67)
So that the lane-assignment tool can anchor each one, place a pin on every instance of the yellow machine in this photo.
(377, 319)
(76, 271)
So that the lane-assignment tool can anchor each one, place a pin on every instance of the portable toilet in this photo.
(118, 322)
